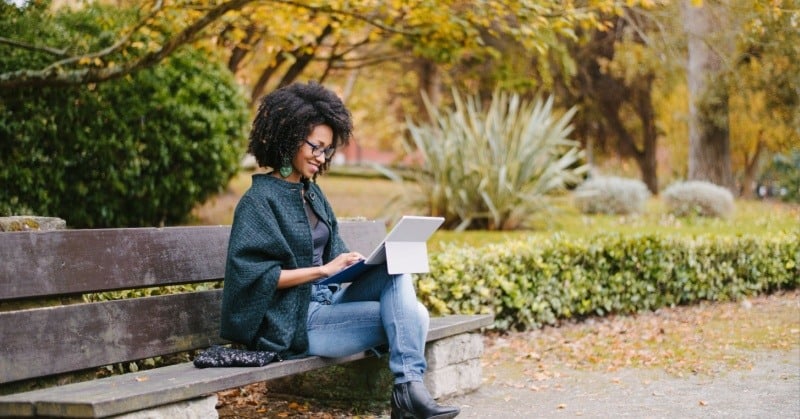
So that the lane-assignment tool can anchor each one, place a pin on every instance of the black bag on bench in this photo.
(222, 356)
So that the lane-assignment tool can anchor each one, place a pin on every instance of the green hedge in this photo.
(537, 281)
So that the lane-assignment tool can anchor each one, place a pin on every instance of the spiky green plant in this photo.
(492, 169)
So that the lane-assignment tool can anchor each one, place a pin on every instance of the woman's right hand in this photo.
(294, 277)
(340, 262)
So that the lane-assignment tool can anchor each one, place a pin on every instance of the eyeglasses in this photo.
(317, 151)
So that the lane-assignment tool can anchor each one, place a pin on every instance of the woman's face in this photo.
(305, 164)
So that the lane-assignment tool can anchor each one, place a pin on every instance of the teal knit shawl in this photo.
(270, 232)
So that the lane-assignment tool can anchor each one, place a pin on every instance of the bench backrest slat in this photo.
(76, 261)
(44, 341)
(53, 263)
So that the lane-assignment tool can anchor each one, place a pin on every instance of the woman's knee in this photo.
(423, 316)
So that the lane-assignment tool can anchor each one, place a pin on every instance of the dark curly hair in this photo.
(286, 117)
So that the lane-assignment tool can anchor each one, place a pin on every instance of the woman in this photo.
(285, 238)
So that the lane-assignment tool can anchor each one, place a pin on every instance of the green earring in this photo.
(286, 168)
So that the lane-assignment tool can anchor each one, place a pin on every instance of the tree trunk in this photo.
(647, 115)
(261, 84)
(605, 98)
(709, 140)
(430, 82)
(644, 157)
(240, 51)
(751, 168)
(302, 55)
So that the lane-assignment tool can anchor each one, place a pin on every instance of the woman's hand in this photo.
(294, 277)
(340, 262)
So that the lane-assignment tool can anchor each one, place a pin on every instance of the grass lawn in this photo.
(373, 198)
(350, 197)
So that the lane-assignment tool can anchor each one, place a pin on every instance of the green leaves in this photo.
(529, 283)
(139, 151)
(489, 169)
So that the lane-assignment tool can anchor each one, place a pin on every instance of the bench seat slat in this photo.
(149, 388)
(143, 389)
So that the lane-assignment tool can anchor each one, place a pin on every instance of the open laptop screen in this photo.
(404, 250)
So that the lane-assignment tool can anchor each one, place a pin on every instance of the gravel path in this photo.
(733, 360)
(771, 389)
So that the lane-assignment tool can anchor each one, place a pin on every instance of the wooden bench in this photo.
(59, 268)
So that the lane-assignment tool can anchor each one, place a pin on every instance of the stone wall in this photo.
(201, 408)
(454, 368)
(454, 365)
(31, 223)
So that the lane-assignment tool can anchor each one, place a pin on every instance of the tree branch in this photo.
(54, 75)
(30, 47)
(357, 16)
(70, 70)
(355, 64)
(113, 48)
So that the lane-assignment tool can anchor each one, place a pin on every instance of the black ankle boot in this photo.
(412, 400)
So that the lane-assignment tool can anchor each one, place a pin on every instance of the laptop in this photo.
(404, 250)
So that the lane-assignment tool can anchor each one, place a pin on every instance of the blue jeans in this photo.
(375, 310)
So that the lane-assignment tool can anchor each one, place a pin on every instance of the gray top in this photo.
(319, 234)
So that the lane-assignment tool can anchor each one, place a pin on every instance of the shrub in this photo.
(698, 198)
(533, 282)
(611, 195)
(782, 177)
(491, 169)
(138, 151)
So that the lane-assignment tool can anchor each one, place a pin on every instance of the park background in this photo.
(589, 158)
(502, 116)
(120, 113)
